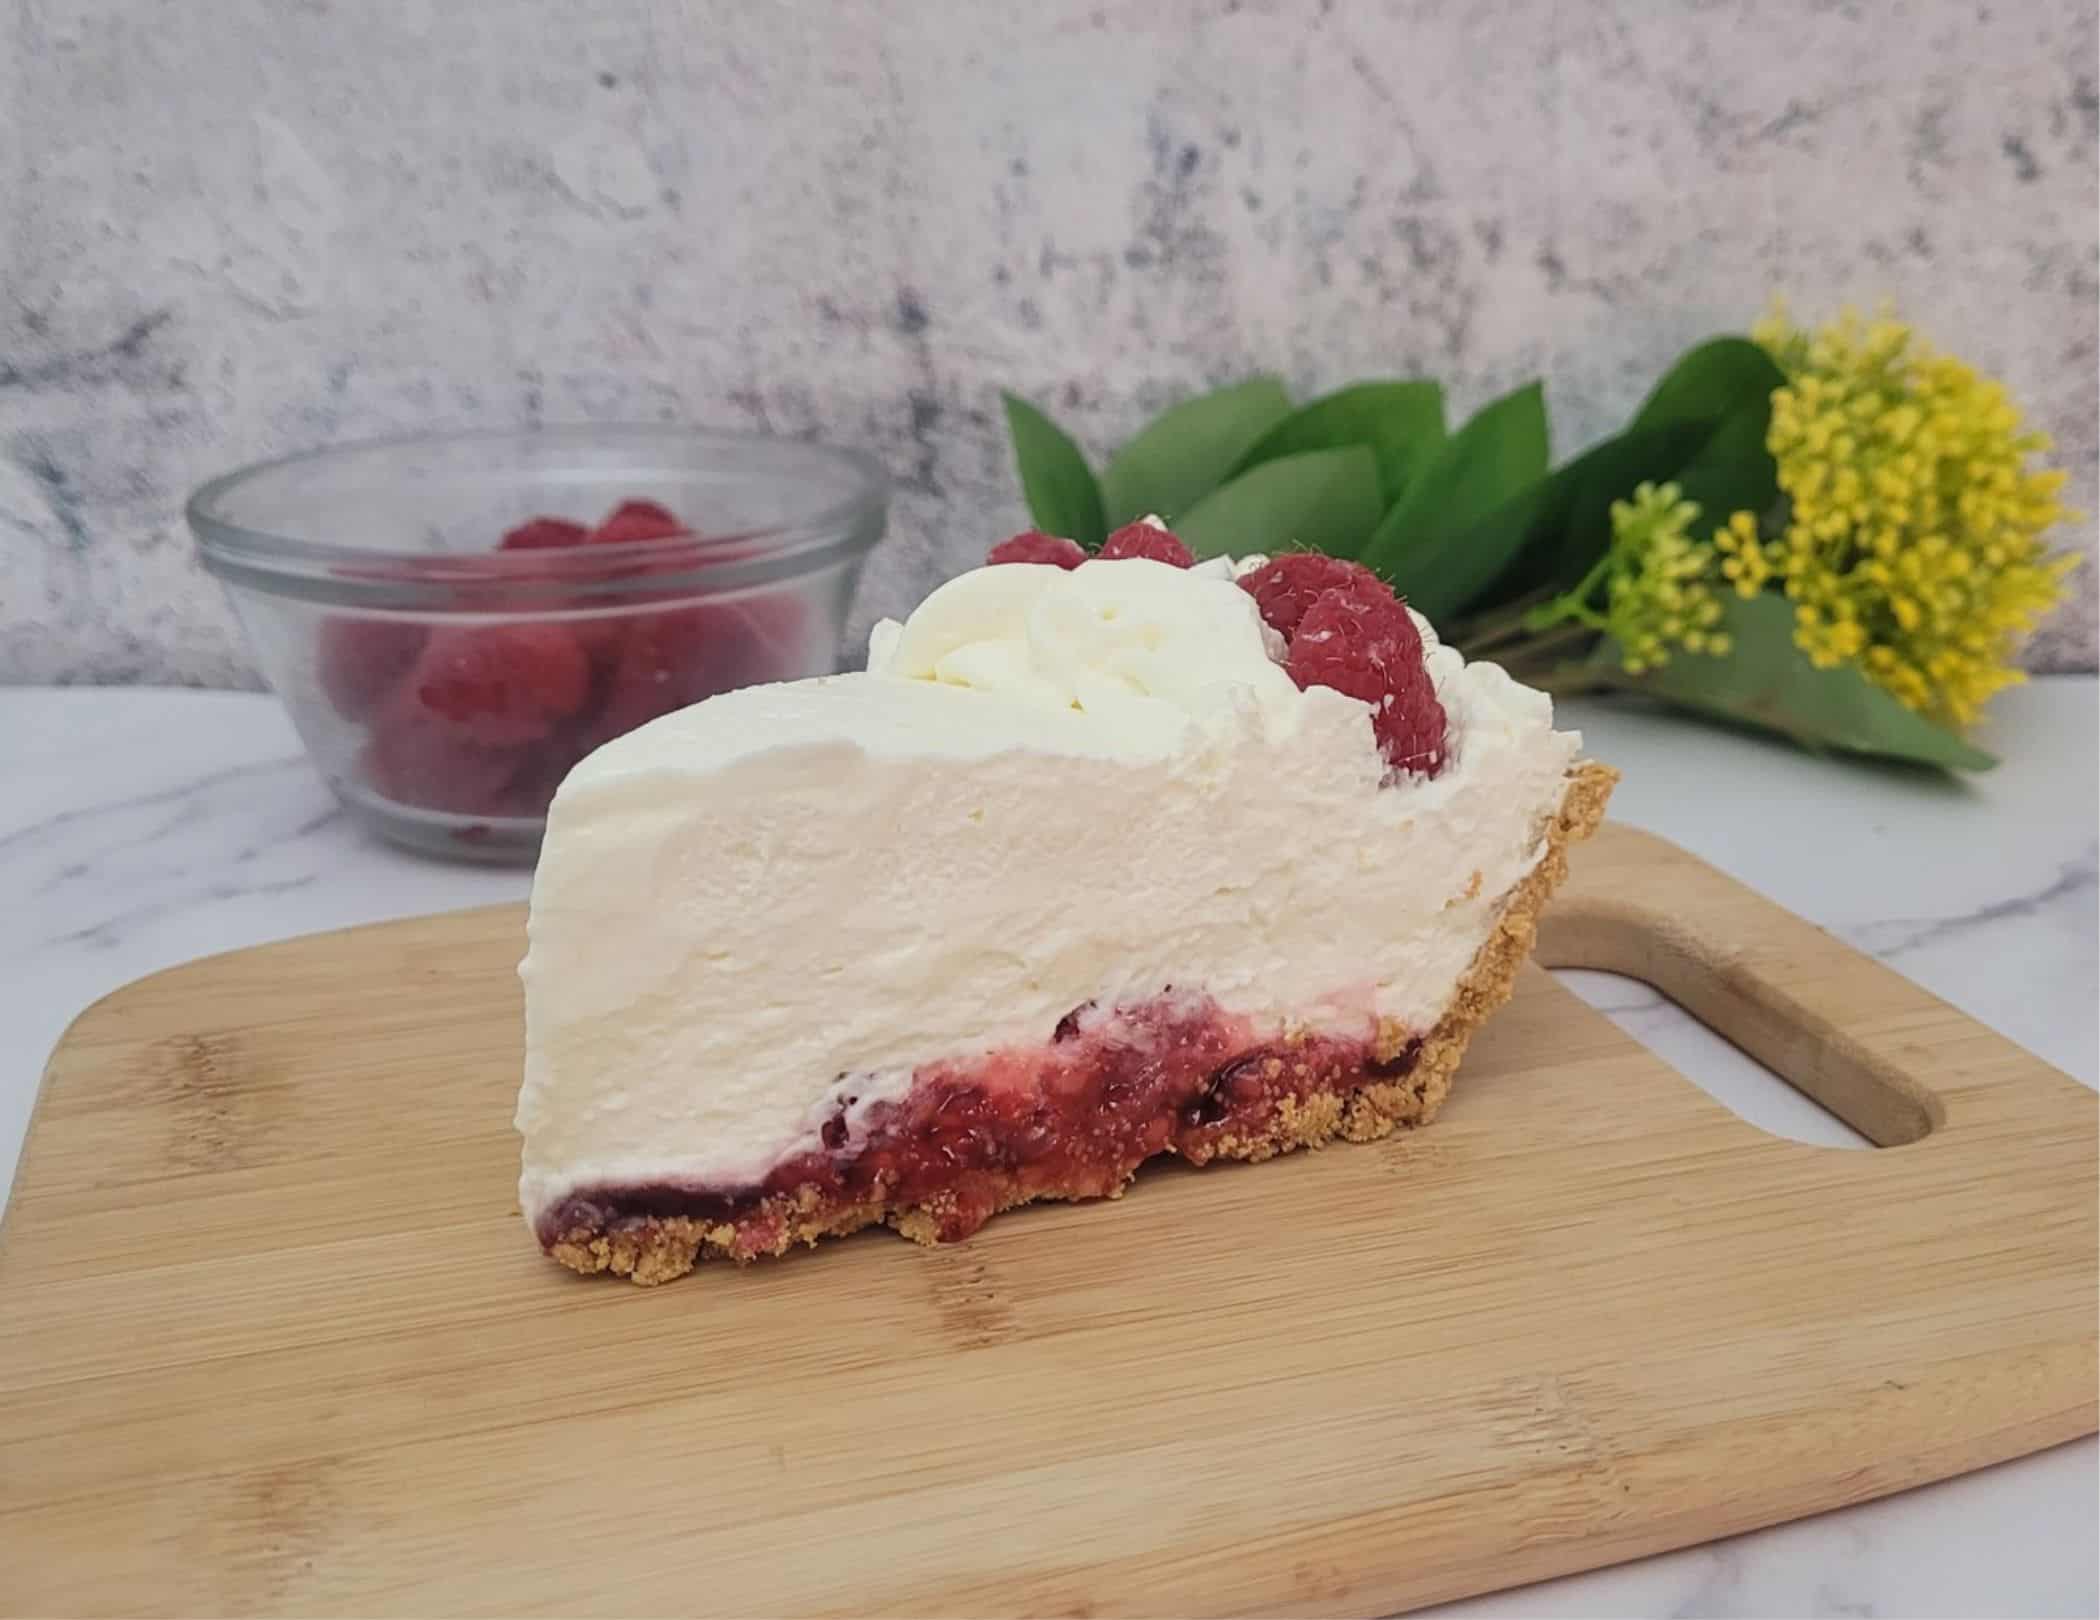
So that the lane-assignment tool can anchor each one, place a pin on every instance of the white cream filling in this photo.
(1049, 787)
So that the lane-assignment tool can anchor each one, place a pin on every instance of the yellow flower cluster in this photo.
(1661, 592)
(1912, 543)
(1745, 561)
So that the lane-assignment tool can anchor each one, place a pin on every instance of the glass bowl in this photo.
(447, 658)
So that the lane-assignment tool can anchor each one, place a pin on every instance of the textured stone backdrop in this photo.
(234, 228)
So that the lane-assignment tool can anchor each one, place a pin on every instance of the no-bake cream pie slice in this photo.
(1096, 861)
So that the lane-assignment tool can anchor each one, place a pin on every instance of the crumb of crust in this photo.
(656, 1249)
(1470, 892)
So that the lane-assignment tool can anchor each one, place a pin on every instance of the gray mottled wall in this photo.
(233, 227)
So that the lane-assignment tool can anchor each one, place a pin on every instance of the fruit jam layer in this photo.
(1071, 1118)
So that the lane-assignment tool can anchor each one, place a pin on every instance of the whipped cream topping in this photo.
(1049, 787)
(1136, 645)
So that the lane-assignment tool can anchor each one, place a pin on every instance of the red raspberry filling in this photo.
(486, 721)
(1070, 1118)
(1344, 628)
(1034, 546)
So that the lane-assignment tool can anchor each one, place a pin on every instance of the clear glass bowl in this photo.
(445, 684)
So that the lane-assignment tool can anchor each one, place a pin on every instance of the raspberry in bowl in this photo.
(455, 620)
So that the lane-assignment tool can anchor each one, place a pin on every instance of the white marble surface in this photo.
(142, 828)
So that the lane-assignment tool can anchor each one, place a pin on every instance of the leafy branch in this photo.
(1641, 564)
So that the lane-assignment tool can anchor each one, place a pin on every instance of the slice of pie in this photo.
(1097, 861)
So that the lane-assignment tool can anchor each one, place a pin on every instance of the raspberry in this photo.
(600, 636)
(1284, 587)
(1360, 640)
(668, 660)
(531, 787)
(1412, 728)
(1349, 640)
(636, 520)
(544, 534)
(359, 661)
(417, 757)
(1145, 540)
(1034, 546)
(504, 685)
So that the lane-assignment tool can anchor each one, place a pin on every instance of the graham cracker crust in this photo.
(1358, 1106)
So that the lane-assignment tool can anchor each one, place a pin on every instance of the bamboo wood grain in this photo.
(274, 1340)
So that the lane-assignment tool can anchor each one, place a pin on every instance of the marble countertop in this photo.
(142, 828)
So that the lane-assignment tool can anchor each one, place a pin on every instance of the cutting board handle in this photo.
(1891, 1060)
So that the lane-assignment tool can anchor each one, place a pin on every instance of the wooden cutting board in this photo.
(273, 1338)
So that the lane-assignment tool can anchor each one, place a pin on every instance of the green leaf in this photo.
(1703, 426)
(1766, 682)
(1325, 500)
(1401, 422)
(1188, 451)
(1547, 539)
(1586, 488)
(1708, 382)
(1470, 508)
(1501, 452)
(1720, 395)
(1732, 471)
(1062, 495)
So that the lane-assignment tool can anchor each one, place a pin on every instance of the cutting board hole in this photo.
(1718, 1067)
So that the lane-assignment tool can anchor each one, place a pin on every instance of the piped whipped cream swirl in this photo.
(1136, 644)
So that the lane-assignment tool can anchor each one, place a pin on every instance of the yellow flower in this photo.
(1914, 524)
(1744, 560)
(1659, 581)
